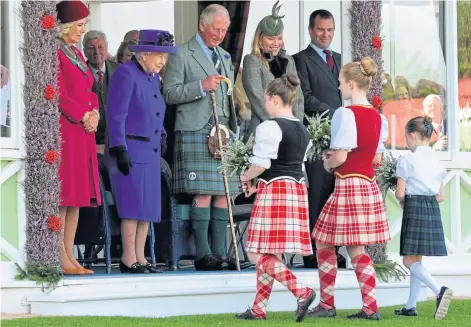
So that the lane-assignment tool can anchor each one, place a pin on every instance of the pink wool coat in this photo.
(78, 171)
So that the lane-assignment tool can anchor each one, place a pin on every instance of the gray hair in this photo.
(139, 55)
(92, 35)
(210, 11)
(432, 97)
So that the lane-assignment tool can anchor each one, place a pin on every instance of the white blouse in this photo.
(422, 171)
(268, 136)
(344, 131)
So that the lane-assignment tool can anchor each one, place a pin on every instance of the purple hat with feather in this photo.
(154, 41)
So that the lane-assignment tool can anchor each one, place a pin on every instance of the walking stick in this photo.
(226, 183)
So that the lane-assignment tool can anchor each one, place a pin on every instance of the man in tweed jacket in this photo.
(189, 77)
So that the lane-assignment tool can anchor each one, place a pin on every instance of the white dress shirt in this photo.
(422, 171)
(344, 131)
(95, 71)
(268, 136)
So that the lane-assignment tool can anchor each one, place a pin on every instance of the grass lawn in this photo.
(459, 315)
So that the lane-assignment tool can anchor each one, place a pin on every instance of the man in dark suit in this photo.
(95, 48)
(318, 69)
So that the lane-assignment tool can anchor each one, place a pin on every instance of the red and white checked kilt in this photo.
(353, 215)
(280, 219)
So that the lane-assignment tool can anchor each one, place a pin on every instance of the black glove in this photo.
(122, 159)
(164, 143)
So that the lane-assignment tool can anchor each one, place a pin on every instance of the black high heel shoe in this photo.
(152, 268)
(135, 268)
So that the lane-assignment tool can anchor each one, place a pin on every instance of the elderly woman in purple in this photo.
(134, 117)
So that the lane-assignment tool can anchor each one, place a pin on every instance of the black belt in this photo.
(138, 138)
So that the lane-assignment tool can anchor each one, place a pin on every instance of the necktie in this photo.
(216, 61)
(101, 77)
(330, 60)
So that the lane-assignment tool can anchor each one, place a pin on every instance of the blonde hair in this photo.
(361, 72)
(285, 87)
(64, 28)
(257, 50)
(239, 102)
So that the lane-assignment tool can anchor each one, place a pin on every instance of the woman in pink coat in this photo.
(78, 171)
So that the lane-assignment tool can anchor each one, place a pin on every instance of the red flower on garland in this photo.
(54, 223)
(49, 92)
(48, 22)
(377, 42)
(51, 156)
(376, 101)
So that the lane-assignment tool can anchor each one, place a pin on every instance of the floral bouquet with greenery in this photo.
(319, 133)
(235, 156)
(386, 176)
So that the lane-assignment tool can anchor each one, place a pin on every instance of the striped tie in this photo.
(216, 61)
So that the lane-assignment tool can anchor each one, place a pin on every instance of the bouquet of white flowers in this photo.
(319, 133)
(386, 174)
(235, 157)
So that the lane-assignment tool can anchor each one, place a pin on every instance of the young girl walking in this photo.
(279, 222)
(419, 190)
(354, 215)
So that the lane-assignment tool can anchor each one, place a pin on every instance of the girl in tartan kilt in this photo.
(280, 218)
(419, 190)
(354, 215)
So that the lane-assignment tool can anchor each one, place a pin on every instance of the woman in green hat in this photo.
(267, 61)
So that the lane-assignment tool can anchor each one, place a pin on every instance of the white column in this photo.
(186, 20)
(94, 22)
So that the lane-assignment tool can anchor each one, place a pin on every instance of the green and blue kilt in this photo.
(195, 171)
(422, 229)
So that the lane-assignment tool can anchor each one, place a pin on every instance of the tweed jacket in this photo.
(255, 77)
(181, 86)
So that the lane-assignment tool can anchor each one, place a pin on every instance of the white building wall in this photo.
(335, 8)
(115, 19)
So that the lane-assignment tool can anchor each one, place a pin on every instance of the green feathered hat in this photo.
(272, 25)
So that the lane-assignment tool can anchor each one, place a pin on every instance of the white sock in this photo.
(414, 292)
(418, 270)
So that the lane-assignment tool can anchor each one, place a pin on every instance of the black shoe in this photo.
(248, 315)
(363, 315)
(443, 303)
(135, 268)
(152, 268)
(412, 312)
(303, 306)
(321, 312)
(310, 261)
(209, 262)
(230, 264)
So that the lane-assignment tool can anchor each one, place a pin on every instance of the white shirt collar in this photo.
(95, 71)
(422, 149)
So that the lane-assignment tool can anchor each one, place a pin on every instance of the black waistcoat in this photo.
(291, 151)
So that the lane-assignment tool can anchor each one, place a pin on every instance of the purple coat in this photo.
(134, 119)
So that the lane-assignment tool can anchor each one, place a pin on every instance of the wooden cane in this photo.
(226, 183)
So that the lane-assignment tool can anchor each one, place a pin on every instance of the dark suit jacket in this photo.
(321, 93)
(102, 93)
(318, 83)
